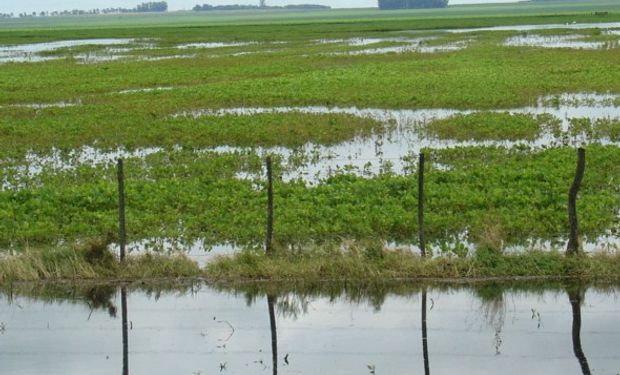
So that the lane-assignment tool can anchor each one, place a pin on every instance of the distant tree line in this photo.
(208, 7)
(153, 6)
(412, 4)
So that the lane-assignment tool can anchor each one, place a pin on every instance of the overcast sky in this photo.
(15, 6)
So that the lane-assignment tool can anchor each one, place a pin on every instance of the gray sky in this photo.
(8, 6)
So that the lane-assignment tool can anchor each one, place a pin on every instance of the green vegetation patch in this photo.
(72, 128)
(481, 126)
(598, 129)
(274, 129)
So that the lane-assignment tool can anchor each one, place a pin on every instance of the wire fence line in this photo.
(574, 243)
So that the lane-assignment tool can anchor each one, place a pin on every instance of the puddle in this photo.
(94, 58)
(43, 105)
(405, 45)
(196, 329)
(461, 245)
(197, 251)
(554, 41)
(34, 163)
(145, 90)
(571, 26)
(203, 253)
(36, 52)
(32, 52)
(211, 45)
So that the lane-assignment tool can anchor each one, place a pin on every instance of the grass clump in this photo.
(91, 260)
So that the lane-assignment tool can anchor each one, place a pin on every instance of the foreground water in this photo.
(197, 329)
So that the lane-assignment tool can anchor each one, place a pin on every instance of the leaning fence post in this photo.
(573, 242)
(421, 204)
(121, 208)
(269, 234)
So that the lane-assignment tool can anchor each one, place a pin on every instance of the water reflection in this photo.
(427, 370)
(575, 295)
(274, 333)
(125, 331)
(345, 328)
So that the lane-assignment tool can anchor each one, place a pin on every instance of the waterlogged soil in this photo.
(125, 49)
(198, 329)
(391, 150)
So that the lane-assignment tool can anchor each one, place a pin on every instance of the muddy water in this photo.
(488, 329)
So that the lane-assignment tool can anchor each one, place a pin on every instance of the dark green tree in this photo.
(412, 4)
(153, 6)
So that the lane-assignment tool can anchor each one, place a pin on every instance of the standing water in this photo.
(332, 329)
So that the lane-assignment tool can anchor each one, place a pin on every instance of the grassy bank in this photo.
(372, 264)
(353, 262)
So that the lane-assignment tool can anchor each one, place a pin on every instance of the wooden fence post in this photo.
(121, 209)
(421, 205)
(574, 246)
(269, 234)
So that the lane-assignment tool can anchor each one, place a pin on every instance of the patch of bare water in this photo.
(211, 45)
(571, 26)
(403, 45)
(197, 250)
(34, 164)
(145, 90)
(43, 105)
(555, 41)
(35, 52)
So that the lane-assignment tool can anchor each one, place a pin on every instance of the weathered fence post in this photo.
(574, 247)
(121, 209)
(421, 205)
(269, 234)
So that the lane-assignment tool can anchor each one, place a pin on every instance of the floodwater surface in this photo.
(397, 329)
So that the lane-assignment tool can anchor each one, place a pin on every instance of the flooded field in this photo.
(260, 329)
(102, 50)
(343, 112)
(402, 138)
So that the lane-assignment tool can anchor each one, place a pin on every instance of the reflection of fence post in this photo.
(121, 208)
(424, 335)
(573, 241)
(576, 297)
(125, 331)
(269, 235)
(271, 301)
(421, 204)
